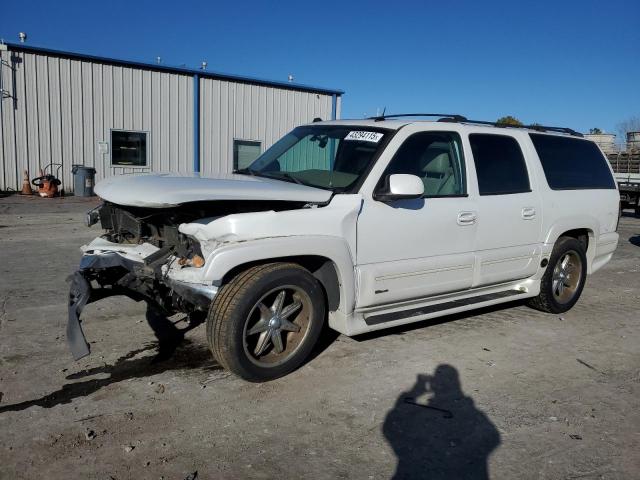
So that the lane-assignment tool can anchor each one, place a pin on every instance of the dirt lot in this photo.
(524, 394)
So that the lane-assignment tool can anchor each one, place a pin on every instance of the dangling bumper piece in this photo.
(107, 274)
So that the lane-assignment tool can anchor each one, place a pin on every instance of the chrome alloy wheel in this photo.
(277, 325)
(566, 277)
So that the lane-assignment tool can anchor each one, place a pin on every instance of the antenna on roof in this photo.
(203, 65)
(158, 60)
(290, 78)
(22, 36)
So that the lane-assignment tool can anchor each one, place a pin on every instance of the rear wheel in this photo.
(564, 279)
(265, 322)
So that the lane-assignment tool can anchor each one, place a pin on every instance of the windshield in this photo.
(329, 157)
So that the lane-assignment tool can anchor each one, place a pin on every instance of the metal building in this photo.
(128, 117)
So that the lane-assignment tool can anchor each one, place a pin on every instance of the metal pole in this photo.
(334, 106)
(196, 123)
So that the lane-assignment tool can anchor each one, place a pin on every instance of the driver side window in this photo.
(435, 157)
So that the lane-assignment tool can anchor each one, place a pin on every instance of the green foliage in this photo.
(509, 120)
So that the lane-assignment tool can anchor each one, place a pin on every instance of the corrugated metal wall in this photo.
(230, 110)
(61, 108)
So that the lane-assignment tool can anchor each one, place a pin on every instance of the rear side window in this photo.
(571, 163)
(500, 165)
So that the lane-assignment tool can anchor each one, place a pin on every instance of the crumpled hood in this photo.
(167, 190)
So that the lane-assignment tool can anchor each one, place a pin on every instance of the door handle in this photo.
(467, 218)
(528, 213)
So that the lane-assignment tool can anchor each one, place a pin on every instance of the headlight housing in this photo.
(93, 216)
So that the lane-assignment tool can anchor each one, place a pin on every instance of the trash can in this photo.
(83, 180)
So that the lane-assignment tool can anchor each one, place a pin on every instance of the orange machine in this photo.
(47, 183)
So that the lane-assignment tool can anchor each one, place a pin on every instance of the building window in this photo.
(129, 149)
(245, 152)
(500, 164)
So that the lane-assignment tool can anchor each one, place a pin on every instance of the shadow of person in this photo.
(446, 437)
(635, 240)
(173, 352)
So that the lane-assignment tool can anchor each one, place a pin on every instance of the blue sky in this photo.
(568, 63)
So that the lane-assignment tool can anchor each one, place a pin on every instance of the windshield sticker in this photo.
(364, 136)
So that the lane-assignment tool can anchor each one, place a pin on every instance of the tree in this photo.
(509, 120)
(595, 131)
(631, 124)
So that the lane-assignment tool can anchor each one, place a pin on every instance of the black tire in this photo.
(547, 300)
(237, 305)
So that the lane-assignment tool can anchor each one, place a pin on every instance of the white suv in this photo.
(361, 224)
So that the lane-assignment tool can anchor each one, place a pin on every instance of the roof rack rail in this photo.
(539, 128)
(449, 116)
(454, 117)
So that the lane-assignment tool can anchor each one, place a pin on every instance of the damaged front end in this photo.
(141, 255)
(107, 271)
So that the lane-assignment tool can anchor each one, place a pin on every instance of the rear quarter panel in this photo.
(596, 210)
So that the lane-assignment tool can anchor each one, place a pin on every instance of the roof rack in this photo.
(450, 117)
(454, 117)
(539, 128)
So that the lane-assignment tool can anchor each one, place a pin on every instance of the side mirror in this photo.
(400, 186)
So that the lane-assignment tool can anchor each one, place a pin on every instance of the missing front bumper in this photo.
(137, 280)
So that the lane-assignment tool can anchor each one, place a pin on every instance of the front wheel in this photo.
(564, 279)
(265, 322)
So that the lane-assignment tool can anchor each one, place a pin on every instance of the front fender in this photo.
(232, 255)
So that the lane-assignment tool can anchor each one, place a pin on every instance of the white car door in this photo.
(411, 249)
(509, 212)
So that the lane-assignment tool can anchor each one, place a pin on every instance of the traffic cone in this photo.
(26, 185)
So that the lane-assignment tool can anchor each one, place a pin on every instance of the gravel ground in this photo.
(509, 390)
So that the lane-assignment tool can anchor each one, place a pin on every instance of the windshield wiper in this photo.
(245, 171)
(291, 177)
(284, 176)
